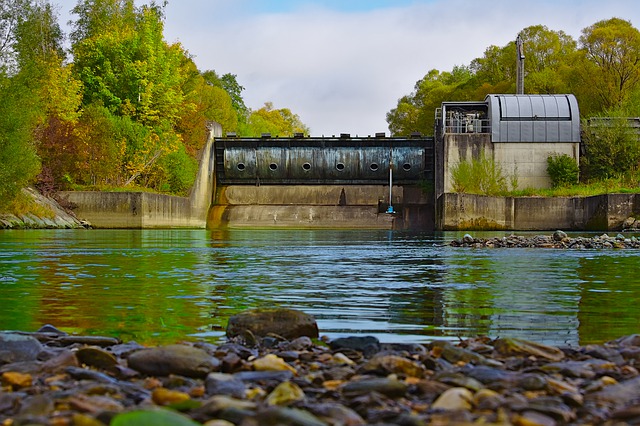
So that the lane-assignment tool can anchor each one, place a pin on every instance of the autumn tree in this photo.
(212, 103)
(40, 85)
(277, 122)
(125, 64)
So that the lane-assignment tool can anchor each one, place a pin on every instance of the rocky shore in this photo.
(273, 370)
(58, 219)
(558, 240)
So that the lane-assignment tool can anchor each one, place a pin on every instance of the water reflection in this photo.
(609, 296)
(160, 286)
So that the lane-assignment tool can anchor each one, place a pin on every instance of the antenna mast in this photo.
(520, 66)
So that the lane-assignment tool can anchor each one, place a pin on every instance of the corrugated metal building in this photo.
(533, 118)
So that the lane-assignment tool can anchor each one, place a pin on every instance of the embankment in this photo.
(55, 218)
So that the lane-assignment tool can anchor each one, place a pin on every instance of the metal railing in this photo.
(463, 122)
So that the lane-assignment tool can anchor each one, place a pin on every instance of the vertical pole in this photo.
(520, 66)
(390, 208)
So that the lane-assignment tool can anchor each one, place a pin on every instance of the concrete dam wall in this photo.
(323, 183)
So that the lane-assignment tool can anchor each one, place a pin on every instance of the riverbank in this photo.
(258, 377)
(51, 216)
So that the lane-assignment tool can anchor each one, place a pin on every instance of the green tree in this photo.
(610, 67)
(11, 12)
(546, 54)
(38, 36)
(19, 163)
(229, 83)
(415, 112)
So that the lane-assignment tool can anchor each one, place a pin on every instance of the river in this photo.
(163, 286)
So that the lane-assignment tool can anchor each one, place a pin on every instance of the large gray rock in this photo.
(16, 347)
(182, 360)
(288, 323)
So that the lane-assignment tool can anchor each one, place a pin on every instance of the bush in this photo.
(479, 176)
(563, 170)
(612, 148)
(180, 171)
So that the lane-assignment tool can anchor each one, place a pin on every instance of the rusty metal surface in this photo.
(323, 160)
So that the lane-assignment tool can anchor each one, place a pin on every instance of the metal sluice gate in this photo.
(317, 161)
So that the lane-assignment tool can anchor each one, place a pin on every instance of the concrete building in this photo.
(519, 132)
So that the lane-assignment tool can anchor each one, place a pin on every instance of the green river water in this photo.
(163, 286)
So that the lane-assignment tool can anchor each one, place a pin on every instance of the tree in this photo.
(546, 54)
(610, 69)
(496, 66)
(415, 112)
(278, 122)
(19, 163)
(38, 36)
(612, 147)
(229, 83)
(122, 59)
(11, 12)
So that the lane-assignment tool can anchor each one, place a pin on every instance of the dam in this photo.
(379, 182)
(323, 182)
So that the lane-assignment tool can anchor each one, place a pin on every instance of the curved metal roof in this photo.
(534, 118)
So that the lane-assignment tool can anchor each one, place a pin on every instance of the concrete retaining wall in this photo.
(133, 210)
(477, 212)
(321, 206)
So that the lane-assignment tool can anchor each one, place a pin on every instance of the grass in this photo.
(23, 204)
(609, 186)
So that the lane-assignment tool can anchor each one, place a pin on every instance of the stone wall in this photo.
(477, 212)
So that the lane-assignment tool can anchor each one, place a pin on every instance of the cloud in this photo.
(341, 66)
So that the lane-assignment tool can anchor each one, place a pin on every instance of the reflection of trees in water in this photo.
(511, 293)
(419, 306)
(132, 284)
(609, 295)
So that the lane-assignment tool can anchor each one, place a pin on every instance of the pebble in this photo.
(454, 399)
(559, 240)
(299, 381)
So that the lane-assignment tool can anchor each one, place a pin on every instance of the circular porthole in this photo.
(241, 167)
(406, 167)
(306, 167)
(340, 167)
(374, 167)
(273, 166)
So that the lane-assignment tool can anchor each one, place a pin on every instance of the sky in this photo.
(341, 65)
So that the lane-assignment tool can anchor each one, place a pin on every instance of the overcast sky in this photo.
(341, 65)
